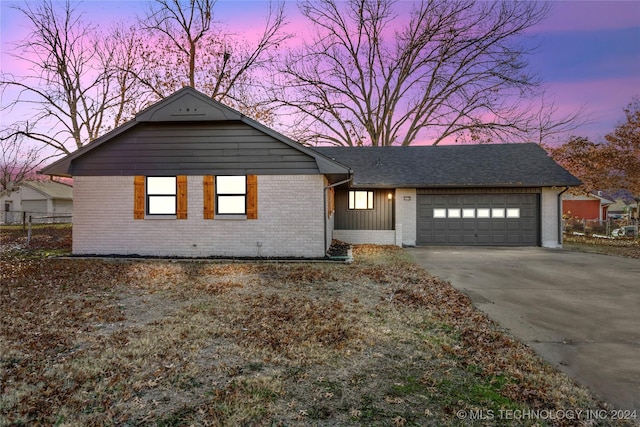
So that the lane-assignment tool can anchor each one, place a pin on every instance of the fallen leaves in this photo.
(626, 247)
(88, 342)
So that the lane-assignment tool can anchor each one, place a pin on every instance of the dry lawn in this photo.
(144, 343)
(624, 247)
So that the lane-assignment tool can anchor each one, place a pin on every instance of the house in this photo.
(191, 177)
(45, 201)
(490, 194)
(593, 206)
(624, 208)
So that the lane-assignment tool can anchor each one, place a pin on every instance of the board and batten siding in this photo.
(194, 148)
(290, 222)
(378, 218)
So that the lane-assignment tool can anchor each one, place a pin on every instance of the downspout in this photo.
(324, 202)
(560, 215)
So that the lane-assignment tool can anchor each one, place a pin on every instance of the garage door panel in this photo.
(498, 225)
(469, 226)
(479, 219)
(513, 225)
(483, 199)
(513, 239)
(498, 239)
(439, 225)
(469, 239)
(513, 199)
(497, 199)
(469, 200)
(484, 239)
(483, 225)
(440, 200)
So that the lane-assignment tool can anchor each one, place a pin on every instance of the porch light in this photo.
(390, 196)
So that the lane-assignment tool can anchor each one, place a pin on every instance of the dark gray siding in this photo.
(193, 148)
(379, 218)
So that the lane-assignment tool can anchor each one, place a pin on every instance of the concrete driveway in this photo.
(579, 311)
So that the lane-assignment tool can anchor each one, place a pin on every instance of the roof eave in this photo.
(461, 185)
(326, 165)
(62, 167)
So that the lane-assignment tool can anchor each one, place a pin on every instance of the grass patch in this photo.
(377, 342)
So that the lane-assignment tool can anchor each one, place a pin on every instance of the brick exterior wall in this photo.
(406, 215)
(549, 217)
(374, 237)
(290, 221)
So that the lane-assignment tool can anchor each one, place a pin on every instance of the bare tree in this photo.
(547, 126)
(189, 50)
(69, 88)
(184, 23)
(376, 74)
(121, 56)
(18, 161)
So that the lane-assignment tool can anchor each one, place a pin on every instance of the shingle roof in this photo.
(484, 165)
(189, 105)
(51, 189)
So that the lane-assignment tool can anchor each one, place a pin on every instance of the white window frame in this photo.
(439, 213)
(161, 195)
(513, 212)
(484, 213)
(454, 213)
(231, 195)
(497, 212)
(358, 197)
(468, 213)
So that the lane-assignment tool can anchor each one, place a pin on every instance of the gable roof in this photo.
(604, 201)
(188, 105)
(484, 165)
(50, 189)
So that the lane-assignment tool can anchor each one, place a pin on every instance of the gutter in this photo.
(560, 215)
(324, 203)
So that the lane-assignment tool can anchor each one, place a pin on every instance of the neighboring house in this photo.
(45, 201)
(622, 208)
(586, 206)
(192, 177)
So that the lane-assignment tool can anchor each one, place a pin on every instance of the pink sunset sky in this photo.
(589, 51)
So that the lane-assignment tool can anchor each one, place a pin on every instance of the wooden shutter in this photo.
(331, 198)
(181, 182)
(252, 197)
(208, 185)
(138, 197)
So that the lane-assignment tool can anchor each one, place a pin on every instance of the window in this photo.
(161, 195)
(231, 195)
(360, 200)
(454, 213)
(484, 213)
(513, 212)
(468, 213)
(497, 212)
(439, 213)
